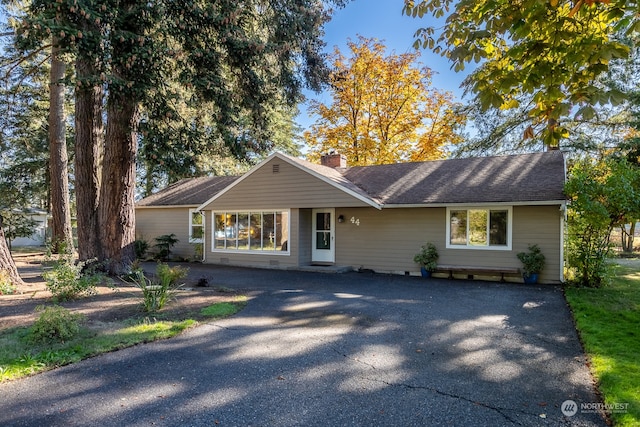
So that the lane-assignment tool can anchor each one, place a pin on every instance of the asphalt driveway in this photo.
(333, 350)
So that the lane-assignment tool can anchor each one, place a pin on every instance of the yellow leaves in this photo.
(509, 104)
(581, 3)
(383, 109)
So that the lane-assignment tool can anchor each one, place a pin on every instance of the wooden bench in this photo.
(478, 270)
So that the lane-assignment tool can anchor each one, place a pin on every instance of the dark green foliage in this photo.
(17, 224)
(234, 63)
(140, 247)
(24, 149)
(55, 324)
(164, 244)
(427, 257)
(603, 195)
(533, 260)
(211, 75)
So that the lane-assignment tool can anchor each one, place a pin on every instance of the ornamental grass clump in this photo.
(158, 290)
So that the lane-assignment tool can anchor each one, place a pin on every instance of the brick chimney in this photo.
(334, 160)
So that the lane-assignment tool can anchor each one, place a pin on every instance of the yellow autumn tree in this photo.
(383, 109)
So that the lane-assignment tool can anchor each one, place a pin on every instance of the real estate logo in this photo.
(569, 408)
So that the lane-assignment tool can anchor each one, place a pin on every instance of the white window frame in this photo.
(250, 251)
(487, 247)
(190, 233)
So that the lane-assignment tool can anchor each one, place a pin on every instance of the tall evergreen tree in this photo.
(60, 207)
(237, 56)
(24, 181)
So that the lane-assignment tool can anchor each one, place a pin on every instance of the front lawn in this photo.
(608, 321)
(21, 356)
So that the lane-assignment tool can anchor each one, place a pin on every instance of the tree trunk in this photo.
(88, 158)
(61, 234)
(117, 208)
(6, 261)
(627, 237)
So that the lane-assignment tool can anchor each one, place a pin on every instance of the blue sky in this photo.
(382, 19)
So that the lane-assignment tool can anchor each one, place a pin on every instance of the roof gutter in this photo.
(446, 205)
(165, 206)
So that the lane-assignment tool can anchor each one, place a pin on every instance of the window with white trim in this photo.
(252, 231)
(479, 228)
(196, 226)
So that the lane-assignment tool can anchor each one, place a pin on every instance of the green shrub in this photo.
(6, 287)
(67, 280)
(427, 257)
(198, 252)
(164, 244)
(55, 324)
(140, 247)
(533, 260)
(157, 292)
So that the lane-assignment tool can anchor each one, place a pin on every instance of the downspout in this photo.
(204, 237)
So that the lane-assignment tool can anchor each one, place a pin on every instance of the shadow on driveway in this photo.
(335, 349)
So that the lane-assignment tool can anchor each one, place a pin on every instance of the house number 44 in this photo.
(355, 220)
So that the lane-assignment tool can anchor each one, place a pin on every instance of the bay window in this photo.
(251, 231)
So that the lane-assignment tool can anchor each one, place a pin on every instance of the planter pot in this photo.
(425, 272)
(530, 279)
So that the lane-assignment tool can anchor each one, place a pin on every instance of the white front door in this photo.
(323, 247)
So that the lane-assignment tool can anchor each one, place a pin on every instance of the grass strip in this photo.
(608, 320)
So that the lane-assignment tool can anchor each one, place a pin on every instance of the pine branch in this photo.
(23, 59)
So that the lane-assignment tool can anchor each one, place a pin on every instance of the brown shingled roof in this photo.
(517, 178)
(188, 192)
(537, 177)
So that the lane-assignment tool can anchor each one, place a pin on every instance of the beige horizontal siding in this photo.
(541, 225)
(387, 240)
(151, 223)
(290, 187)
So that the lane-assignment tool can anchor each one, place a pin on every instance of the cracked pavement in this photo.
(334, 349)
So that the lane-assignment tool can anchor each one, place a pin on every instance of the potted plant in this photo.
(427, 258)
(533, 263)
